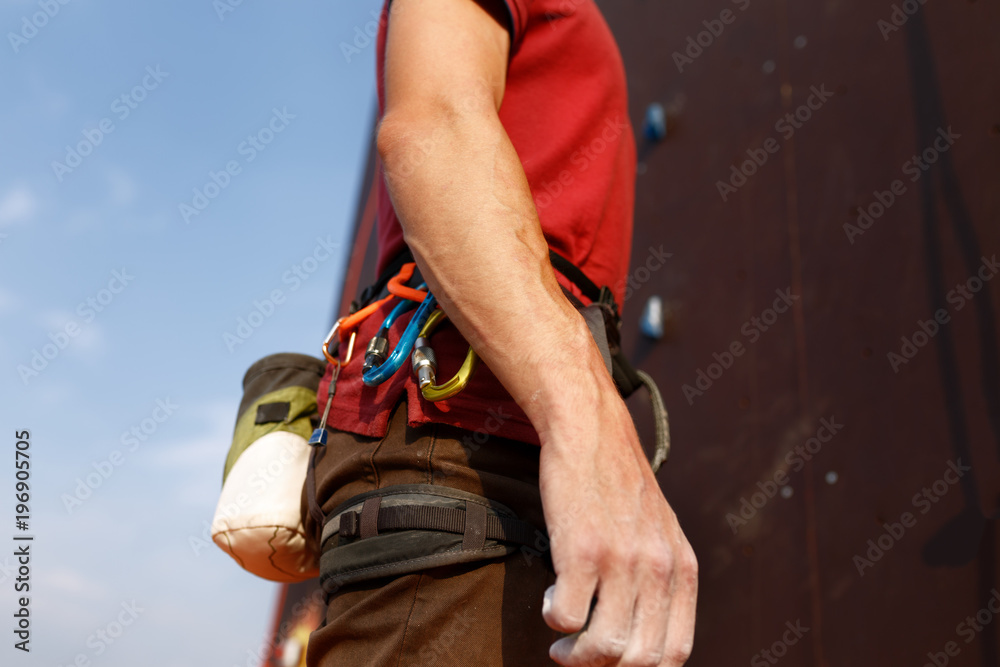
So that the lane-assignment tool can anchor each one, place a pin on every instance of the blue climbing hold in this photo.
(655, 127)
(651, 322)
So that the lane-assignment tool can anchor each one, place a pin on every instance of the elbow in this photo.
(390, 139)
(410, 135)
(404, 144)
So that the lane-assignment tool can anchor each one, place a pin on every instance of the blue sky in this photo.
(134, 298)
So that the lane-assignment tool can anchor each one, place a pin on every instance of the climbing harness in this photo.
(396, 529)
(410, 527)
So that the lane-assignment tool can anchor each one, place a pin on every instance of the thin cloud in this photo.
(17, 205)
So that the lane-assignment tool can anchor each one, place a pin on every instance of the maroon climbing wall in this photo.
(865, 98)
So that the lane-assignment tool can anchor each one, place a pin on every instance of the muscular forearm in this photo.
(461, 195)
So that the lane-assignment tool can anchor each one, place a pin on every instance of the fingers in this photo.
(663, 625)
(680, 626)
(644, 616)
(605, 637)
(566, 605)
(648, 639)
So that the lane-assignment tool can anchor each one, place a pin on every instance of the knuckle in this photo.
(662, 564)
(585, 552)
(595, 552)
(628, 558)
(678, 655)
(602, 556)
(689, 567)
(566, 620)
(689, 562)
(646, 658)
(611, 647)
(593, 661)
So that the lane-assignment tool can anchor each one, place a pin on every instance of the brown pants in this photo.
(486, 614)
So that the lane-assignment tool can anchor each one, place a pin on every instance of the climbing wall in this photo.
(824, 179)
(827, 187)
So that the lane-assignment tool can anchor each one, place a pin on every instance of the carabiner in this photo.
(425, 364)
(397, 284)
(378, 347)
(329, 339)
(376, 375)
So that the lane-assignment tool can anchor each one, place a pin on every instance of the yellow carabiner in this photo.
(424, 364)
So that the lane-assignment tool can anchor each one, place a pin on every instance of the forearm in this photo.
(462, 198)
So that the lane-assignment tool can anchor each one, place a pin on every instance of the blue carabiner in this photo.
(378, 347)
(379, 374)
(403, 306)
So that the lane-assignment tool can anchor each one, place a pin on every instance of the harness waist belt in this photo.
(407, 528)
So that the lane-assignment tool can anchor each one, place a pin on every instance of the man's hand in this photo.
(613, 535)
(467, 214)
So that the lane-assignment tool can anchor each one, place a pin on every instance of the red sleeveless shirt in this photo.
(565, 109)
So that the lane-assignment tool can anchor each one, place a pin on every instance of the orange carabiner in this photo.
(397, 288)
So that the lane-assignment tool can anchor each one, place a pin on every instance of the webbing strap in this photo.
(368, 519)
(575, 275)
(474, 522)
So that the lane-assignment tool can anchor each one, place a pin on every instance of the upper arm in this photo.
(445, 57)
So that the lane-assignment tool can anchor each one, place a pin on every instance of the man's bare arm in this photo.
(467, 214)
